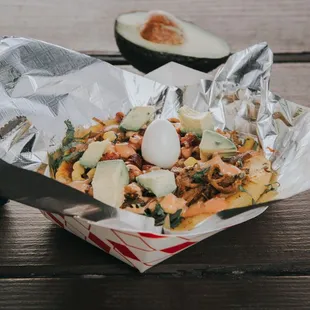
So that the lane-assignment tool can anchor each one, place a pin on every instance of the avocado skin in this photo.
(146, 60)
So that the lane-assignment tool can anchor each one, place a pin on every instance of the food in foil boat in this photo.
(179, 171)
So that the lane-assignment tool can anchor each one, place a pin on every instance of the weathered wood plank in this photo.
(88, 25)
(149, 292)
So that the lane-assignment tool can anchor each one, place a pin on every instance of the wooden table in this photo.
(261, 264)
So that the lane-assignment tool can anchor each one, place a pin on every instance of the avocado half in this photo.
(149, 40)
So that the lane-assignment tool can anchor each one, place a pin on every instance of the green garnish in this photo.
(198, 177)
(69, 137)
(175, 218)
(74, 156)
(255, 146)
(159, 215)
(271, 187)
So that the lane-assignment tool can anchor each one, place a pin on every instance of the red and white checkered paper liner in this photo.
(141, 250)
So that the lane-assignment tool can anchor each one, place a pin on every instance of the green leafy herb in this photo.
(242, 189)
(271, 187)
(158, 214)
(69, 137)
(175, 218)
(69, 146)
(255, 146)
(148, 212)
(198, 177)
(54, 160)
(74, 156)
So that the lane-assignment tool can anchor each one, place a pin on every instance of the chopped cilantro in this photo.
(175, 218)
(159, 215)
(69, 137)
(271, 187)
(198, 177)
(74, 156)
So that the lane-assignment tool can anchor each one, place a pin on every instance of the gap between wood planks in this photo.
(169, 271)
(118, 59)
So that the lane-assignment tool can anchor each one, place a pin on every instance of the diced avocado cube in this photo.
(109, 180)
(194, 121)
(92, 155)
(137, 117)
(159, 182)
(212, 142)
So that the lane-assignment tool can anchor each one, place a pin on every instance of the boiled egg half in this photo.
(161, 144)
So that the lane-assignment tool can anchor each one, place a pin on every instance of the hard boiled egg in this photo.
(161, 144)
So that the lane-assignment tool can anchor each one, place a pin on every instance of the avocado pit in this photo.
(162, 30)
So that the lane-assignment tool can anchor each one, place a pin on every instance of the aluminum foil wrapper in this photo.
(42, 85)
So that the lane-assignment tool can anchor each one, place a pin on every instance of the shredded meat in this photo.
(184, 180)
(121, 137)
(133, 171)
(180, 163)
(226, 184)
(190, 140)
(239, 159)
(209, 192)
(193, 195)
(202, 182)
(196, 152)
(110, 156)
(136, 160)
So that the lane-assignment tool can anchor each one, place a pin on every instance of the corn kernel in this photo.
(77, 172)
(91, 173)
(110, 135)
(190, 162)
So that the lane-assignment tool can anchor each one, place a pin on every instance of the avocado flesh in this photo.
(213, 142)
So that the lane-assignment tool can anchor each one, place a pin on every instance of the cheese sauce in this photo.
(211, 206)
